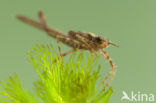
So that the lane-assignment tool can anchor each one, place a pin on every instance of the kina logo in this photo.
(137, 97)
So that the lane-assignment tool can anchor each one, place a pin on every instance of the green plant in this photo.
(73, 81)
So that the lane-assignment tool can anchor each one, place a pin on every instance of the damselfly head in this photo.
(104, 42)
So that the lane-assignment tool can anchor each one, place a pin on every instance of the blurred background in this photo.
(129, 23)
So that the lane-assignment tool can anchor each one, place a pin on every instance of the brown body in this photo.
(76, 40)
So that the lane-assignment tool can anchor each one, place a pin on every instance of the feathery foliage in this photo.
(72, 81)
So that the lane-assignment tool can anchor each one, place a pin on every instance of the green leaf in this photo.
(73, 81)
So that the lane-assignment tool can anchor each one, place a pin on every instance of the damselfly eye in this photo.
(98, 39)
